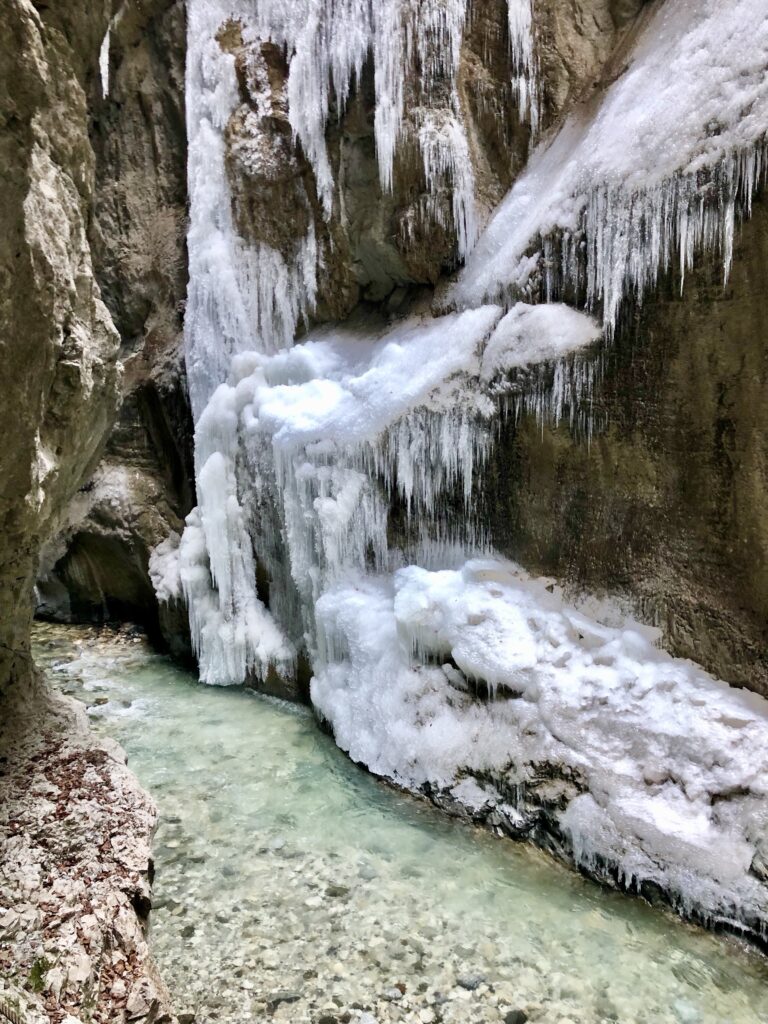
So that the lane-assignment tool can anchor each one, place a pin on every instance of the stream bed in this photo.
(292, 886)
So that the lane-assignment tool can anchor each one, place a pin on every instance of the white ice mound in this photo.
(326, 432)
(528, 335)
(349, 386)
(668, 767)
(657, 165)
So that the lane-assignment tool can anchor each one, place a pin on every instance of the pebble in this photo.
(470, 981)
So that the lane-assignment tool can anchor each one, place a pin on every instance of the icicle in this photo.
(104, 62)
(525, 83)
(662, 168)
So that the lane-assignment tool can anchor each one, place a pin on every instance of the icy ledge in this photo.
(660, 167)
(484, 689)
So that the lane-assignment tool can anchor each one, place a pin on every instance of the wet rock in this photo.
(515, 1017)
(278, 998)
(337, 891)
(470, 982)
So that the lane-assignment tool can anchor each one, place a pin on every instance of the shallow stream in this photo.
(292, 886)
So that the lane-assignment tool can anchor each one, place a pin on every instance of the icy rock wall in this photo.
(305, 454)
(247, 297)
(658, 171)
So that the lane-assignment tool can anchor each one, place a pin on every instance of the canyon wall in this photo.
(96, 567)
(663, 505)
(667, 502)
(59, 344)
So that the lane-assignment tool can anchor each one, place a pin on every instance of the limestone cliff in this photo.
(663, 505)
(97, 566)
(59, 345)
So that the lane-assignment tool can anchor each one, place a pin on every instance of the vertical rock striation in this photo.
(96, 568)
(59, 345)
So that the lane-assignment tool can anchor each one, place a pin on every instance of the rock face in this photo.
(75, 832)
(383, 245)
(59, 345)
(663, 505)
(666, 503)
(97, 566)
(74, 819)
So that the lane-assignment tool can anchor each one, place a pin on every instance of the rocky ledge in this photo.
(75, 873)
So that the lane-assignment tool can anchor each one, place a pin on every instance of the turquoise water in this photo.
(292, 885)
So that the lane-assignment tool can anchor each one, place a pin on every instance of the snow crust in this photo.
(660, 168)
(671, 763)
(536, 334)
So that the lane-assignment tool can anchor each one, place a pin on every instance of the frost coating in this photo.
(660, 169)
(670, 764)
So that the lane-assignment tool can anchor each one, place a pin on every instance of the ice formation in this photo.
(662, 167)
(526, 80)
(670, 764)
(104, 62)
(310, 459)
(329, 431)
(240, 297)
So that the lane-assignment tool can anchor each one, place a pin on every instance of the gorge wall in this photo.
(466, 218)
(60, 377)
(631, 511)
(96, 567)
(666, 502)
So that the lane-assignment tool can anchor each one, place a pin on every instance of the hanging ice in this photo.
(659, 169)
(104, 62)
(521, 37)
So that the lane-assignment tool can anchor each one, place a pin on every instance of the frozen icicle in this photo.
(240, 297)
(525, 82)
(445, 153)
(233, 634)
(104, 62)
(327, 44)
(659, 171)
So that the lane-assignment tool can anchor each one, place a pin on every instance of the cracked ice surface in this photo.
(671, 764)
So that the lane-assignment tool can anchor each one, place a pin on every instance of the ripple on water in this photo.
(291, 883)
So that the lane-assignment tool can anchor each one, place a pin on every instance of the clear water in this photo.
(293, 886)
